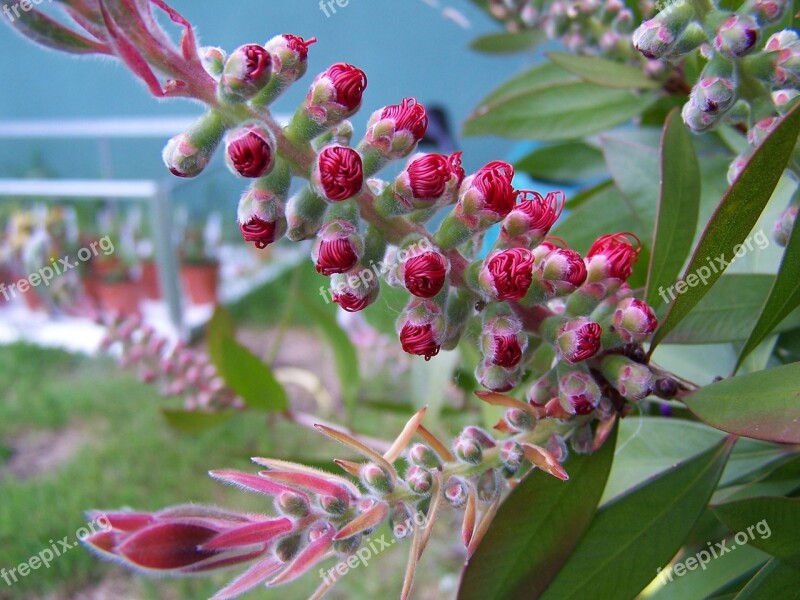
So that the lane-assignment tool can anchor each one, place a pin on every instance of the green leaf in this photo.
(735, 216)
(640, 532)
(783, 298)
(345, 356)
(536, 529)
(41, 29)
(243, 371)
(508, 43)
(535, 78)
(728, 313)
(770, 524)
(568, 162)
(195, 421)
(678, 207)
(774, 580)
(763, 405)
(603, 72)
(560, 111)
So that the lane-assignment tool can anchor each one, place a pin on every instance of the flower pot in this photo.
(119, 296)
(148, 281)
(200, 282)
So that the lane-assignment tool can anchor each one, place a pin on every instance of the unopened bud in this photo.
(578, 393)
(489, 486)
(632, 380)
(286, 549)
(468, 450)
(456, 492)
(247, 71)
(376, 479)
(348, 546)
(401, 520)
(737, 36)
(785, 225)
(419, 480)
(512, 455)
(291, 504)
(421, 455)
(713, 94)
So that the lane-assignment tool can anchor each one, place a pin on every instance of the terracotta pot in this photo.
(119, 297)
(200, 282)
(148, 281)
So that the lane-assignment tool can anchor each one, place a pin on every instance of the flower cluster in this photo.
(179, 371)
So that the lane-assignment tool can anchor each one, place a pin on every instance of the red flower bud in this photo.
(338, 248)
(261, 217)
(424, 275)
(634, 320)
(336, 93)
(494, 182)
(421, 328)
(429, 174)
(497, 378)
(395, 130)
(538, 213)
(503, 341)
(246, 71)
(258, 231)
(250, 152)
(613, 256)
(355, 290)
(578, 393)
(419, 340)
(563, 270)
(579, 339)
(339, 173)
(507, 275)
(409, 116)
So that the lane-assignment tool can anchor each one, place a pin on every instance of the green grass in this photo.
(131, 458)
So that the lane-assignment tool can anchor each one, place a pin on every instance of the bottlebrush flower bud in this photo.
(737, 166)
(488, 486)
(187, 154)
(338, 248)
(653, 38)
(713, 94)
(768, 12)
(376, 479)
(336, 94)
(487, 196)
(456, 492)
(289, 56)
(562, 271)
(519, 420)
(632, 380)
(424, 275)
(468, 450)
(579, 339)
(421, 328)
(786, 44)
(696, 119)
(613, 256)
(287, 547)
(401, 520)
(783, 99)
(512, 455)
(348, 546)
(421, 455)
(557, 446)
(355, 290)
(338, 173)
(250, 151)
(542, 391)
(394, 131)
(785, 225)
(419, 480)
(736, 36)
(759, 132)
(503, 341)
(578, 393)
(530, 220)
(247, 71)
(430, 178)
(507, 274)
(479, 435)
(634, 320)
(332, 505)
(496, 378)
(292, 505)
(213, 60)
(582, 441)
(261, 217)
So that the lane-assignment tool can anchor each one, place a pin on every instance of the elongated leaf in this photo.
(631, 538)
(728, 313)
(561, 111)
(567, 162)
(603, 72)
(41, 29)
(195, 421)
(678, 207)
(770, 524)
(242, 370)
(345, 356)
(774, 580)
(536, 529)
(735, 216)
(763, 405)
(508, 43)
(783, 298)
(538, 77)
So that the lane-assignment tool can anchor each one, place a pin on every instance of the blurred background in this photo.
(80, 144)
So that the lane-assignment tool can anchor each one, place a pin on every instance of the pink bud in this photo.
(338, 248)
(421, 328)
(424, 275)
(613, 256)
(339, 173)
(634, 320)
(578, 393)
(503, 341)
(579, 339)
(507, 274)
(250, 151)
